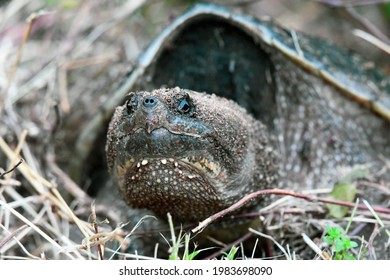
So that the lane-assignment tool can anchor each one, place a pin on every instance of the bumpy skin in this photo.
(187, 153)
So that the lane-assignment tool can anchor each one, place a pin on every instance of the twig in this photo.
(69, 185)
(58, 119)
(314, 247)
(29, 223)
(95, 226)
(373, 212)
(63, 76)
(100, 238)
(282, 211)
(30, 21)
(122, 242)
(380, 187)
(22, 139)
(269, 237)
(11, 182)
(13, 234)
(373, 40)
(352, 215)
(28, 254)
(351, 3)
(12, 169)
(371, 247)
(227, 247)
(257, 194)
(368, 25)
(41, 185)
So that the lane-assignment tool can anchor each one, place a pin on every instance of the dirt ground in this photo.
(55, 78)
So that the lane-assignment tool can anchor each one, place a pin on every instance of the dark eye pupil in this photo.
(131, 104)
(184, 106)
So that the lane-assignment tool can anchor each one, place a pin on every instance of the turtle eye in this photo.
(131, 104)
(185, 105)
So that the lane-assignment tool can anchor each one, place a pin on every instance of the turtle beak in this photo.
(151, 122)
(151, 107)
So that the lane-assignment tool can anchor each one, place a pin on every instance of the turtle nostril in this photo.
(149, 102)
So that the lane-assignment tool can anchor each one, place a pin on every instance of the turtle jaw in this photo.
(164, 184)
(138, 148)
(165, 171)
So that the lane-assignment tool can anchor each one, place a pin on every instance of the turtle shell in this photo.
(257, 63)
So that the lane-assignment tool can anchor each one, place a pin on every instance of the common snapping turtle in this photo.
(187, 153)
(312, 111)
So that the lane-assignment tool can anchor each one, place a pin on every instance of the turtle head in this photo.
(182, 152)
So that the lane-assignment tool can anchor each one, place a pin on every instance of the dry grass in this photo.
(55, 71)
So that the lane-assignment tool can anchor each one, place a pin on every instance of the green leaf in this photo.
(344, 192)
(232, 253)
(334, 232)
(386, 10)
(191, 256)
(339, 246)
(338, 256)
(328, 239)
(357, 173)
(349, 244)
(339, 243)
(349, 257)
